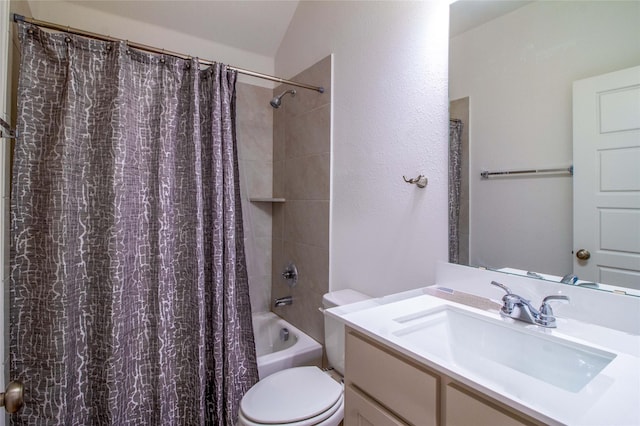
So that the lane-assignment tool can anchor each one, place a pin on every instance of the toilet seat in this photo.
(298, 396)
(331, 417)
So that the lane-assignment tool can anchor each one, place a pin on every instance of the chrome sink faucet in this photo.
(521, 309)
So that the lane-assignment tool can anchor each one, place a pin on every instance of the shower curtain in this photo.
(129, 293)
(455, 170)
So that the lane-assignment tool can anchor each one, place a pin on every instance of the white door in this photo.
(606, 187)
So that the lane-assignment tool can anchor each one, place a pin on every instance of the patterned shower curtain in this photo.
(129, 293)
(455, 171)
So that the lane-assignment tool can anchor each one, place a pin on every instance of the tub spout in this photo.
(283, 301)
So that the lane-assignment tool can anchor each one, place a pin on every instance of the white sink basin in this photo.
(493, 348)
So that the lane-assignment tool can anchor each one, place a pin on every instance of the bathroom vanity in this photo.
(385, 387)
(421, 359)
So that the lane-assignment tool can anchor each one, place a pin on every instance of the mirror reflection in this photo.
(511, 86)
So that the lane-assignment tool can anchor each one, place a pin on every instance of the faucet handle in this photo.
(509, 300)
(546, 318)
(502, 286)
(557, 297)
(569, 279)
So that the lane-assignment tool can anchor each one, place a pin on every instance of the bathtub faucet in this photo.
(283, 301)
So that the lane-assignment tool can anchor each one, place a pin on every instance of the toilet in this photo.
(303, 396)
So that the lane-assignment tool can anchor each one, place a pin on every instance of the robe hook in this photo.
(420, 181)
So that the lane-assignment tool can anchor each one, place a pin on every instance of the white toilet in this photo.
(303, 396)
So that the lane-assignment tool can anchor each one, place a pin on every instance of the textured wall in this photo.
(301, 167)
(390, 119)
(254, 127)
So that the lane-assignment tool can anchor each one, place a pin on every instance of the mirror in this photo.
(511, 70)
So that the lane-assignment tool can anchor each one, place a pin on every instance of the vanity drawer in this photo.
(463, 408)
(403, 387)
(359, 410)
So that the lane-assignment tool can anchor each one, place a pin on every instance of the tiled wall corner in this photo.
(254, 127)
(302, 161)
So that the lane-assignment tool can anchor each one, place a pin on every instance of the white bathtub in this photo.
(273, 353)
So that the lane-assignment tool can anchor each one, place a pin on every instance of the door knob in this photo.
(13, 397)
(583, 254)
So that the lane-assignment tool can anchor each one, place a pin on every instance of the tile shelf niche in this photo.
(266, 200)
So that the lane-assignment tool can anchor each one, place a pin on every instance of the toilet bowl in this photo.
(303, 396)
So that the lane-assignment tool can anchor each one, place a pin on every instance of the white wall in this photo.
(518, 72)
(389, 120)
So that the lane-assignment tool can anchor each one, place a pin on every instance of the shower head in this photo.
(277, 101)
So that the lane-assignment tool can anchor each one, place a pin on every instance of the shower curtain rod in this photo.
(139, 46)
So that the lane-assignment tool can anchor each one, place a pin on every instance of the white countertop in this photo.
(611, 398)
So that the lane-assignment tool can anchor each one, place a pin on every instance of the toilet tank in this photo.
(334, 329)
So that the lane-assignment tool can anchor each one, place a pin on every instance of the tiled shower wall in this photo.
(254, 127)
(301, 174)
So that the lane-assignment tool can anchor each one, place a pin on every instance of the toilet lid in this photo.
(290, 395)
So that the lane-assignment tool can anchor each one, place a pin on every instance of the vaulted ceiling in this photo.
(258, 26)
(253, 26)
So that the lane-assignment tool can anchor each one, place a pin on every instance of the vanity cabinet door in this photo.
(362, 411)
(401, 386)
(463, 408)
